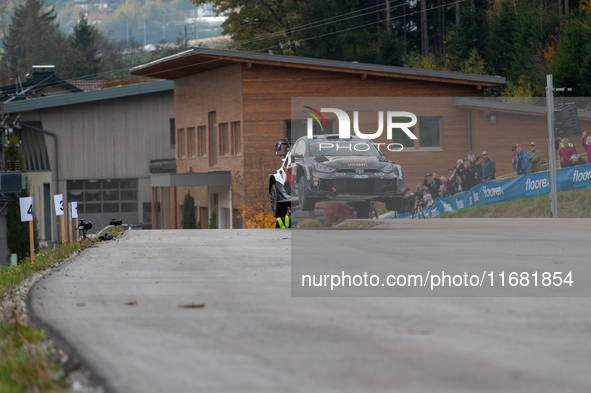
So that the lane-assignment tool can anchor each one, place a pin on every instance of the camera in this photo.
(115, 222)
(84, 225)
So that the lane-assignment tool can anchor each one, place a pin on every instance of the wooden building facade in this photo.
(231, 108)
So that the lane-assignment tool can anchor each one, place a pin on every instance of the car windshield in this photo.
(343, 147)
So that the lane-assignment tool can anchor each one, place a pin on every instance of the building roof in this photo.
(40, 80)
(89, 96)
(197, 60)
(87, 85)
(509, 105)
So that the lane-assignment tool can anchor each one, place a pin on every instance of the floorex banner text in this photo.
(527, 186)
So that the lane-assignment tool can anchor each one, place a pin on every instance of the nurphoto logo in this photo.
(392, 122)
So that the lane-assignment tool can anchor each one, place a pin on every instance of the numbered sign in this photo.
(26, 208)
(74, 208)
(59, 204)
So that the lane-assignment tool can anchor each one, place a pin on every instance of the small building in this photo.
(97, 148)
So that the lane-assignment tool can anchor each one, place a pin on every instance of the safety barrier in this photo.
(525, 186)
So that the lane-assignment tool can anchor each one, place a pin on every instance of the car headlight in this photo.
(388, 168)
(324, 168)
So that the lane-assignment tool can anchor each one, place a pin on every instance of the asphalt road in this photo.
(253, 336)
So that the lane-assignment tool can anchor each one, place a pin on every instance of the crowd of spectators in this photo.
(467, 173)
(472, 171)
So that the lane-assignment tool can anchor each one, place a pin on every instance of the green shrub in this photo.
(189, 220)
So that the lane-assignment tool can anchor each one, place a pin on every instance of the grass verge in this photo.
(571, 204)
(357, 224)
(27, 364)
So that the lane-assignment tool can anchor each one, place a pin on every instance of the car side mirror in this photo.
(282, 156)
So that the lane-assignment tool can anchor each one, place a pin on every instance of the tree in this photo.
(189, 220)
(31, 27)
(249, 20)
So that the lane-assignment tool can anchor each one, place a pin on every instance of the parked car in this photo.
(325, 168)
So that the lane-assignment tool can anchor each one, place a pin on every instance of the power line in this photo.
(274, 46)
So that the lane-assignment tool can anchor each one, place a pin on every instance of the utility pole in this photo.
(424, 31)
(145, 31)
(163, 28)
(388, 16)
(551, 150)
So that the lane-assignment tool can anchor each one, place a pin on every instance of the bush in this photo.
(213, 221)
(309, 223)
(189, 213)
(335, 213)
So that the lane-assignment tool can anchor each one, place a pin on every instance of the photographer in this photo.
(407, 202)
(432, 183)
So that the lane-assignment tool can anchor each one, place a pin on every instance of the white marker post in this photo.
(74, 214)
(59, 211)
(26, 205)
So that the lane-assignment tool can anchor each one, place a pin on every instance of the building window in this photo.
(181, 142)
(104, 196)
(191, 141)
(213, 156)
(428, 133)
(236, 142)
(224, 140)
(201, 142)
(172, 134)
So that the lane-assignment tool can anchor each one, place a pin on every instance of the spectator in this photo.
(586, 142)
(425, 193)
(407, 202)
(432, 183)
(470, 178)
(521, 161)
(576, 160)
(488, 168)
(457, 185)
(445, 183)
(443, 193)
(563, 142)
(566, 153)
(534, 157)
(429, 201)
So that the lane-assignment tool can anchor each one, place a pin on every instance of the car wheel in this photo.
(362, 210)
(305, 203)
(279, 209)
